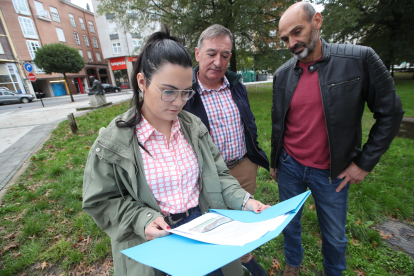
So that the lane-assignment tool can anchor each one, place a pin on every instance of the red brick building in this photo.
(33, 23)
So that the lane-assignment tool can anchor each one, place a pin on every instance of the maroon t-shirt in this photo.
(306, 137)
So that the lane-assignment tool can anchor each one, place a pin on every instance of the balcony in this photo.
(113, 36)
(44, 15)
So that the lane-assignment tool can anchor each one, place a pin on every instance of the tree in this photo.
(384, 25)
(249, 21)
(59, 58)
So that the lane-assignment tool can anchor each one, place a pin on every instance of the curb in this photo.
(27, 161)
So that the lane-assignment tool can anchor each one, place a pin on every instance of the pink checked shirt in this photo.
(226, 126)
(171, 170)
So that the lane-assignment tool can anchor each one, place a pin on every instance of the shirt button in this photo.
(118, 159)
(98, 149)
(311, 67)
(149, 214)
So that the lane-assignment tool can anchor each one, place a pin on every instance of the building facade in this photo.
(33, 23)
(120, 46)
(11, 73)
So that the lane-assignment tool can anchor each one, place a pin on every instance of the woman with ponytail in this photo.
(155, 167)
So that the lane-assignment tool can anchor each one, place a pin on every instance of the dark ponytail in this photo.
(160, 48)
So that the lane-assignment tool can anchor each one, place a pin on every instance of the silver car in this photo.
(7, 96)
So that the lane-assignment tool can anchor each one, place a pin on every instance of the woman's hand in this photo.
(156, 229)
(255, 206)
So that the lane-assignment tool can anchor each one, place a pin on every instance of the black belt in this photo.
(233, 163)
(172, 219)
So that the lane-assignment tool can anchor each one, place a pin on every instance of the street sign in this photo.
(28, 67)
(32, 77)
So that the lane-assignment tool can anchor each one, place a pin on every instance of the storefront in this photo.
(119, 68)
(10, 78)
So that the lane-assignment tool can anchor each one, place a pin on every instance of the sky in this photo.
(82, 3)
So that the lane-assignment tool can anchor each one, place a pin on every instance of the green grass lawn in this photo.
(45, 231)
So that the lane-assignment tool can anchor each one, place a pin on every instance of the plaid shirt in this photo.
(226, 126)
(172, 168)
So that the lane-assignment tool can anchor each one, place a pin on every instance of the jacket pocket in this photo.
(344, 82)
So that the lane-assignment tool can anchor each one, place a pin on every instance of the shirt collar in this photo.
(223, 86)
(144, 129)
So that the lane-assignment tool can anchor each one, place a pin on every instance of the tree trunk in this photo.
(392, 70)
(233, 59)
(70, 93)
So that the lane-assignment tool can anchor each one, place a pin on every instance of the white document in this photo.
(217, 229)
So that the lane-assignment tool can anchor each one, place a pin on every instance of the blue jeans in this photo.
(331, 208)
(194, 215)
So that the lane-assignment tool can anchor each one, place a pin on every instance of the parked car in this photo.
(110, 88)
(40, 94)
(7, 96)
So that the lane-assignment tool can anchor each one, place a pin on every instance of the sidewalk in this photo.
(78, 96)
(21, 133)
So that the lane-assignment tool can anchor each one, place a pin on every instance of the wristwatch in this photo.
(246, 198)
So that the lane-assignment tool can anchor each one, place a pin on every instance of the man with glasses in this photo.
(222, 104)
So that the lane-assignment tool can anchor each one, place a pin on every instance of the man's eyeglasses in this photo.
(171, 95)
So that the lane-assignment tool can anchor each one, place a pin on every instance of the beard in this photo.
(308, 47)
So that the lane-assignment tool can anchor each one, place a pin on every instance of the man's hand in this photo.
(273, 173)
(352, 174)
(255, 206)
(156, 229)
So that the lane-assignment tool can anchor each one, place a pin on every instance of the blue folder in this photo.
(167, 253)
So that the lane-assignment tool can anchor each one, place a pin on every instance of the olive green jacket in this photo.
(118, 198)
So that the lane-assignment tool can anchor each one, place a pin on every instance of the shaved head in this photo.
(299, 30)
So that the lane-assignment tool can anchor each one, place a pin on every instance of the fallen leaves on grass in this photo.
(32, 237)
(311, 207)
(44, 265)
(276, 264)
(10, 246)
(360, 272)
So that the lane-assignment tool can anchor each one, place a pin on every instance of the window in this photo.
(116, 47)
(55, 14)
(39, 7)
(60, 34)
(72, 20)
(77, 40)
(82, 23)
(1, 49)
(85, 37)
(40, 11)
(95, 42)
(112, 27)
(272, 45)
(21, 7)
(282, 44)
(91, 27)
(80, 52)
(272, 33)
(28, 27)
(98, 57)
(90, 56)
(136, 44)
(32, 46)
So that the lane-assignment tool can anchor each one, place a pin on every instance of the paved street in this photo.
(23, 127)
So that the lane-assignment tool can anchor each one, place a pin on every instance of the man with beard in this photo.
(318, 101)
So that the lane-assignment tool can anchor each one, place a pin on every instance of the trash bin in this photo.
(248, 76)
(262, 77)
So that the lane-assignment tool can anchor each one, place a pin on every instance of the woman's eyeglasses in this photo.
(171, 95)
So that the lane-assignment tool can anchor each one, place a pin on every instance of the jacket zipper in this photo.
(251, 136)
(342, 82)
(326, 126)
(284, 117)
